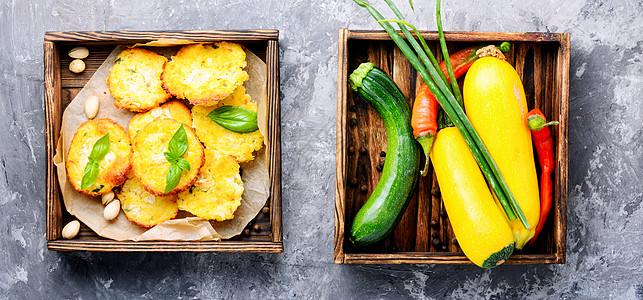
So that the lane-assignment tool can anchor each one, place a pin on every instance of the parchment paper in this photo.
(185, 227)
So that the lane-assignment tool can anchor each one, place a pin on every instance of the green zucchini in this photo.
(386, 205)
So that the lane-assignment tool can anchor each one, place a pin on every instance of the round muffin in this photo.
(216, 194)
(173, 109)
(150, 164)
(143, 208)
(135, 80)
(205, 74)
(213, 136)
(113, 168)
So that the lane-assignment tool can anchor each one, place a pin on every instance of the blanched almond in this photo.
(112, 210)
(78, 53)
(107, 198)
(71, 229)
(91, 109)
(77, 66)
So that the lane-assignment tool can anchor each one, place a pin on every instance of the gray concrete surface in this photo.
(604, 256)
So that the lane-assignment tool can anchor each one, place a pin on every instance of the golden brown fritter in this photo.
(151, 166)
(135, 80)
(173, 109)
(205, 74)
(216, 194)
(213, 136)
(143, 208)
(115, 165)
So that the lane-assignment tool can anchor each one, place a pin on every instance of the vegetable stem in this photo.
(427, 52)
(445, 53)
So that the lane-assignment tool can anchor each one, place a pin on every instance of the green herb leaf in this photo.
(170, 157)
(173, 177)
(176, 148)
(234, 118)
(183, 164)
(179, 143)
(90, 175)
(99, 150)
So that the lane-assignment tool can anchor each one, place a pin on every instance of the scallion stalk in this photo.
(448, 102)
(445, 53)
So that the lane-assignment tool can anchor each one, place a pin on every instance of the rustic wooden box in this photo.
(542, 60)
(61, 86)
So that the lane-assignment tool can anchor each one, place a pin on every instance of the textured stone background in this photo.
(604, 258)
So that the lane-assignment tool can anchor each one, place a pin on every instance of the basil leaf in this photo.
(183, 164)
(173, 178)
(234, 118)
(177, 147)
(100, 149)
(90, 175)
(179, 143)
(170, 157)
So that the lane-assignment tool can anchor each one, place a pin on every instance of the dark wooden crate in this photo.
(61, 86)
(541, 59)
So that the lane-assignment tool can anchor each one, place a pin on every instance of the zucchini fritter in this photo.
(143, 208)
(135, 80)
(216, 194)
(173, 109)
(205, 74)
(213, 136)
(151, 166)
(113, 168)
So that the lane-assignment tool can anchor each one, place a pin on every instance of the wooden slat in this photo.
(543, 64)
(123, 37)
(404, 234)
(163, 246)
(274, 134)
(440, 258)
(341, 145)
(466, 36)
(560, 196)
(423, 229)
(53, 118)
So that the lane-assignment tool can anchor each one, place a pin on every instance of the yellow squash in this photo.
(478, 223)
(495, 103)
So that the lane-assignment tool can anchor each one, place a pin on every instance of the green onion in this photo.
(445, 53)
(447, 100)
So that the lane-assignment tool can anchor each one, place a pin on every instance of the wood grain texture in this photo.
(440, 258)
(466, 36)
(53, 118)
(61, 86)
(124, 37)
(274, 136)
(541, 60)
(340, 145)
(163, 246)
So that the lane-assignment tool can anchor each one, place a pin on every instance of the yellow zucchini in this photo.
(478, 223)
(495, 103)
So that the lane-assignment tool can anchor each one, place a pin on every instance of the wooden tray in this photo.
(61, 86)
(541, 59)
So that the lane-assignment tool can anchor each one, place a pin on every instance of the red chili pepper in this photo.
(541, 136)
(425, 106)
(461, 61)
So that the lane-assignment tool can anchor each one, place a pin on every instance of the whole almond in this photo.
(91, 109)
(78, 53)
(107, 197)
(71, 229)
(77, 66)
(112, 210)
